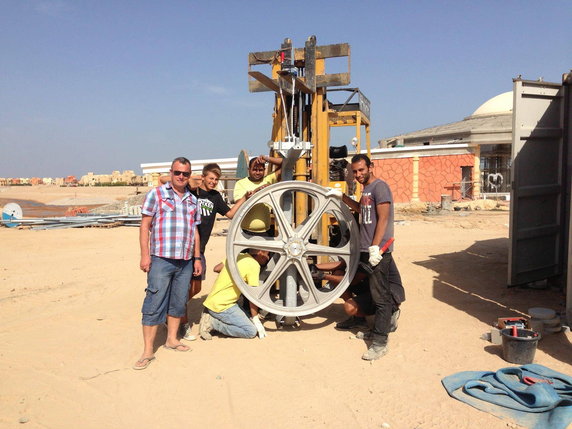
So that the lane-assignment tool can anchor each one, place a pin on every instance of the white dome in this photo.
(502, 103)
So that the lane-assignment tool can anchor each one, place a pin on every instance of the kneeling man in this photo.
(222, 312)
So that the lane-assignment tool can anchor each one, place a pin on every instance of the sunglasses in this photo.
(184, 173)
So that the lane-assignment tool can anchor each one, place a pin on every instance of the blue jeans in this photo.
(233, 322)
(167, 289)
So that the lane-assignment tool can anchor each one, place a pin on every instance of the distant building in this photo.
(70, 181)
(487, 136)
(128, 177)
(88, 179)
(142, 180)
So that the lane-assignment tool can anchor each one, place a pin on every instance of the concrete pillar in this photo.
(477, 174)
(155, 179)
(368, 140)
(415, 195)
(358, 133)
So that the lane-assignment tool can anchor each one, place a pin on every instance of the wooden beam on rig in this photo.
(305, 58)
(324, 51)
(334, 79)
(264, 83)
(267, 82)
(298, 83)
(301, 85)
(310, 63)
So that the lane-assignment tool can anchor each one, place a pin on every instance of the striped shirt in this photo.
(174, 222)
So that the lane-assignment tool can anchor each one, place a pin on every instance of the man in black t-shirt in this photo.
(210, 203)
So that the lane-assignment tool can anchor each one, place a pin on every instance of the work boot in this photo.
(185, 332)
(394, 319)
(352, 322)
(375, 351)
(205, 326)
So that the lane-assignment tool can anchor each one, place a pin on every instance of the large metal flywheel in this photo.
(286, 285)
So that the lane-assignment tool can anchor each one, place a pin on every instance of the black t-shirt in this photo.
(210, 203)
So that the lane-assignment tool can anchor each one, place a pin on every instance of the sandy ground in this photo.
(68, 196)
(70, 331)
(49, 201)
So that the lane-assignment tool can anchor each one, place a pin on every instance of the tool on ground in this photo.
(507, 322)
(531, 380)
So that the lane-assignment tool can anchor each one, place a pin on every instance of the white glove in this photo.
(258, 325)
(334, 193)
(374, 255)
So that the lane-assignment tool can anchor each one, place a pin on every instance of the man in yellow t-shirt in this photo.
(222, 313)
(257, 220)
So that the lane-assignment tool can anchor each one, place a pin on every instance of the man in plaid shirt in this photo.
(170, 255)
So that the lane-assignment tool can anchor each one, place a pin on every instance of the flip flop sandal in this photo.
(145, 361)
(177, 348)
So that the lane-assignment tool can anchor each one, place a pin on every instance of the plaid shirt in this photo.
(174, 222)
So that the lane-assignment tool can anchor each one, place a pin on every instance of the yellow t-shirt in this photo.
(258, 218)
(225, 293)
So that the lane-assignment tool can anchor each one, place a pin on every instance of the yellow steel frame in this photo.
(317, 122)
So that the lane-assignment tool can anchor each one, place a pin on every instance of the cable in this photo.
(292, 107)
(284, 109)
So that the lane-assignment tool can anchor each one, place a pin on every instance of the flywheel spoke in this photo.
(308, 281)
(273, 276)
(283, 224)
(270, 245)
(318, 249)
(308, 227)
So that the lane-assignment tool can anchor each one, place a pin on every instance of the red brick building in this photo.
(424, 173)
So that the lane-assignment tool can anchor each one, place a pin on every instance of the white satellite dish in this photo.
(11, 211)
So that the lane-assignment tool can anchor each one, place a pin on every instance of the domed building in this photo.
(498, 105)
(486, 134)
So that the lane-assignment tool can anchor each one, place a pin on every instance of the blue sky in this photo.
(101, 85)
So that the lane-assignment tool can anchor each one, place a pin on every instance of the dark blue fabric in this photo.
(505, 395)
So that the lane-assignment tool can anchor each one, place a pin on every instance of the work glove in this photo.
(317, 275)
(258, 325)
(374, 255)
(334, 193)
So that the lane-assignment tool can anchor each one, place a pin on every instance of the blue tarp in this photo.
(505, 394)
